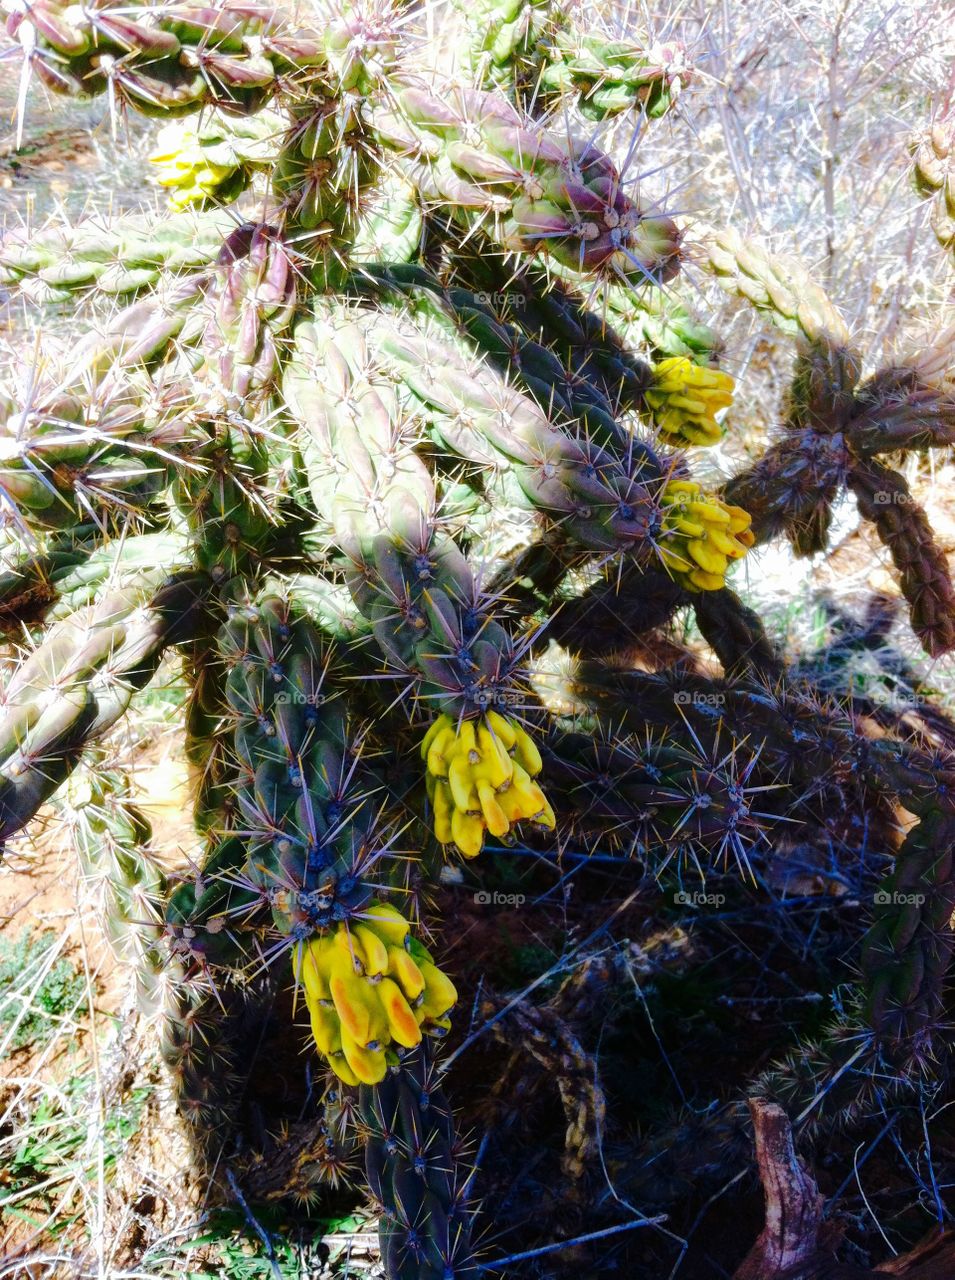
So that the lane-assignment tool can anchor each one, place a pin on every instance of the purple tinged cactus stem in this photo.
(836, 425)
(468, 150)
(885, 499)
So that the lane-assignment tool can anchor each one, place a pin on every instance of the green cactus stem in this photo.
(413, 1171)
(79, 681)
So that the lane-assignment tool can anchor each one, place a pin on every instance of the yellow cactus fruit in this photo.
(357, 1005)
(310, 971)
(478, 780)
(371, 990)
(374, 950)
(326, 1028)
(467, 832)
(442, 803)
(440, 993)
(185, 170)
(404, 970)
(702, 536)
(388, 922)
(685, 398)
(368, 1065)
(401, 1020)
(341, 1068)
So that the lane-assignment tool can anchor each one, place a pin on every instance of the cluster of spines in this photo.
(657, 801)
(199, 1047)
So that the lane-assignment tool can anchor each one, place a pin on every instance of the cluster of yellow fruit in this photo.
(370, 986)
(188, 170)
(480, 777)
(701, 535)
(686, 397)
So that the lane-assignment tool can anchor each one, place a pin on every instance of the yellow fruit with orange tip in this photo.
(371, 989)
(401, 1019)
(478, 780)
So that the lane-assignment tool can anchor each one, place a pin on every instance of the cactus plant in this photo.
(534, 49)
(934, 178)
(360, 346)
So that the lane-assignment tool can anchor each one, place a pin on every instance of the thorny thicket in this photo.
(394, 435)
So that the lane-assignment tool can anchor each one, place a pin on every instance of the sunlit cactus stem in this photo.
(101, 257)
(79, 681)
(112, 838)
(934, 176)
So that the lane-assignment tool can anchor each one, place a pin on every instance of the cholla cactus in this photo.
(56, 262)
(534, 50)
(934, 176)
(838, 421)
(213, 161)
(361, 347)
